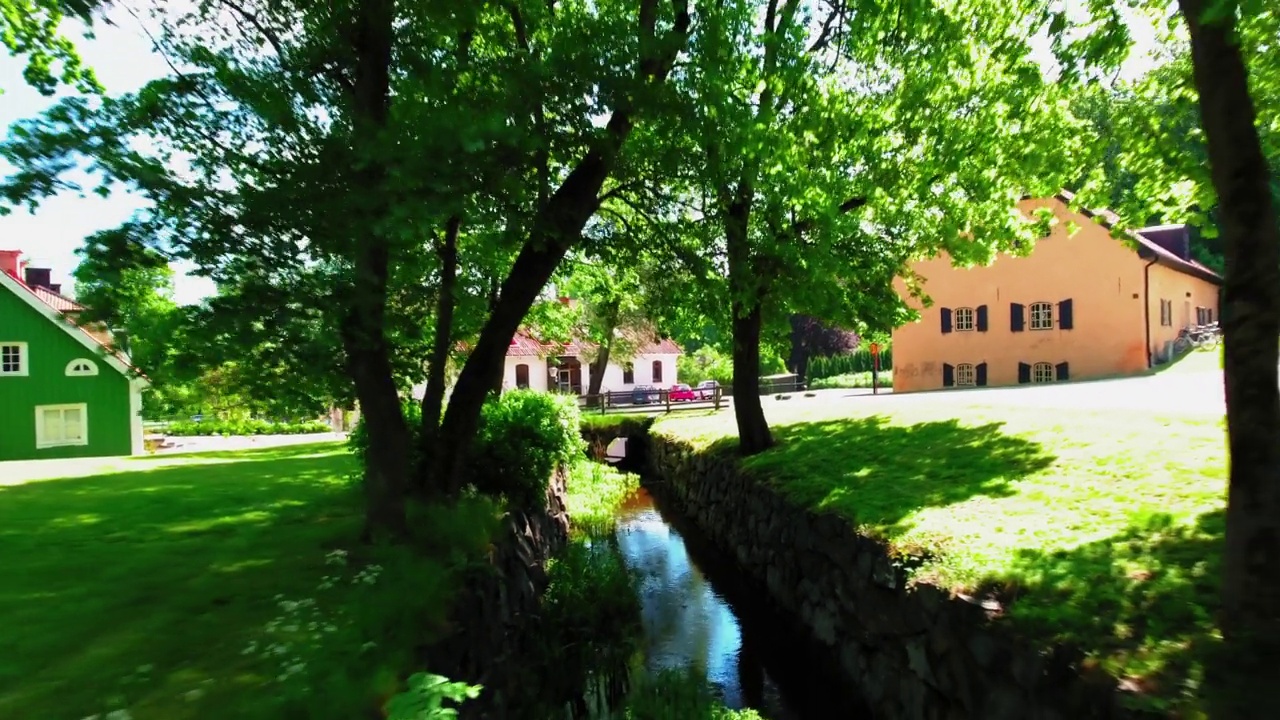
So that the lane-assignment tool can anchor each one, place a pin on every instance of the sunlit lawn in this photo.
(134, 582)
(1102, 528)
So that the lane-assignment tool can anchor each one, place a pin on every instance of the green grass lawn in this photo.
(140, 583)
(1101, 528)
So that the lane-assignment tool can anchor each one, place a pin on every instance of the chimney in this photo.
(38, 277)
(9, 263)
(56, 287)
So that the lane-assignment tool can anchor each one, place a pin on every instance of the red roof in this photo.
(96, 332)
(525, 345)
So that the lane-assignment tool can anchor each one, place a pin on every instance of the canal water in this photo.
(697, 611)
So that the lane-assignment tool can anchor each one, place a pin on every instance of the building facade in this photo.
(63, 391)
(566, 368)
(1078, 306)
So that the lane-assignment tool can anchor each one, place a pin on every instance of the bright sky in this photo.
(122, 58)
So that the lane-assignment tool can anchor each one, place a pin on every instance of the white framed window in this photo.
(964, 319)
(13, 359)
(81, 367)
(965, 374)
(1042, 316)
(1042, 372)
(62, 425)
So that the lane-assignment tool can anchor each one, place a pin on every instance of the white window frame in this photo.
(24, 364)
(1049, 373)
(92, 369)
(965, 320)
(966, 375)
(42, 442)
(1042, 320)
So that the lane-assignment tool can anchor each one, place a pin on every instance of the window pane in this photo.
(52, 422)
(72, 424)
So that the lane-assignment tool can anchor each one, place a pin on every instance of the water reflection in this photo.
(715, 626)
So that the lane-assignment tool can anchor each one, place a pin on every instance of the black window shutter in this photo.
(946, 320)
(982, 318)
(1017, 320)
(980, 374)
(1064, 372)
(1024, 373)
(948, 375)
(1064, 315)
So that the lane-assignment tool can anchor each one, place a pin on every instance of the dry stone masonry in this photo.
(913, 651)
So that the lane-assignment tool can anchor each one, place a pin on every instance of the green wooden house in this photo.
(64, 392)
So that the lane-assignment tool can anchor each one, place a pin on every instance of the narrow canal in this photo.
(697, 611)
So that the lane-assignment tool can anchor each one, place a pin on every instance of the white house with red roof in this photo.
(566, 367)
(65, 391)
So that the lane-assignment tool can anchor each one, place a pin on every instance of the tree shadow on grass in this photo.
(877, 473)
(1141, 603)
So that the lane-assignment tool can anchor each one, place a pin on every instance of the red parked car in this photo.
(681, 392)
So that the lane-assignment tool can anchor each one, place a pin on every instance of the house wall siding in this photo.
(538, 377)
(1186, 293)
(1102, 276)
(49, 350)
(643, 364)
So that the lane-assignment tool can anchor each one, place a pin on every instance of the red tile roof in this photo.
(525, 345)
(68, 308)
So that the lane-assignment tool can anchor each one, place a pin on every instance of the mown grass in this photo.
(1098, 528)
(140, 584)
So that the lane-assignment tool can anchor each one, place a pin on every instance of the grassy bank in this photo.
(222, 584)
(1100, 528)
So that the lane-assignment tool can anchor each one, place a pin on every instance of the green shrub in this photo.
(594, 493)
(852, 380)
(855, 362)
(524, 436)
(246, 426)
(358, 438)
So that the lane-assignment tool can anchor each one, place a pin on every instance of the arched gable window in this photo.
(81, 367)
(657, 371)
(522, 376)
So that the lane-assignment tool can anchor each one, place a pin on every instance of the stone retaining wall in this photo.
(495, 611)
(912, 652)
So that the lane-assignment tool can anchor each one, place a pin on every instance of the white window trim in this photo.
(973, 319)
(972, 380)
(41, 443)
(24, 362)
(1031, 316)
(71, 372)
(1052, 373)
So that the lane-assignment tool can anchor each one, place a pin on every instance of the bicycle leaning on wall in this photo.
(1197, 336)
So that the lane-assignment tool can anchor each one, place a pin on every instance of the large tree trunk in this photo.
(601, 363)
(364, 327)
(753, 429)
(557, 227)
(433, 397)
(1251, 326)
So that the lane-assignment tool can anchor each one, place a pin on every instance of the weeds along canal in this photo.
(697, 611)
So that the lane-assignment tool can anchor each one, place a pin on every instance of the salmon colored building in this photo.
(1079, 306)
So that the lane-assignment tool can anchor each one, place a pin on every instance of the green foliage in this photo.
(594, 493)
(524, 437)
(707, 363)
(33, 28)
(852, 380)
(678, 695)
(855, 362)
(187, 428)
(358, 437)
(425, 696)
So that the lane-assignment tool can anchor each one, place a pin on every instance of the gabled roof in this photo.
(62, 318)
(1148, 248)
(525, 345)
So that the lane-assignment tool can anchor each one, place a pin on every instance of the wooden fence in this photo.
(655, 400)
